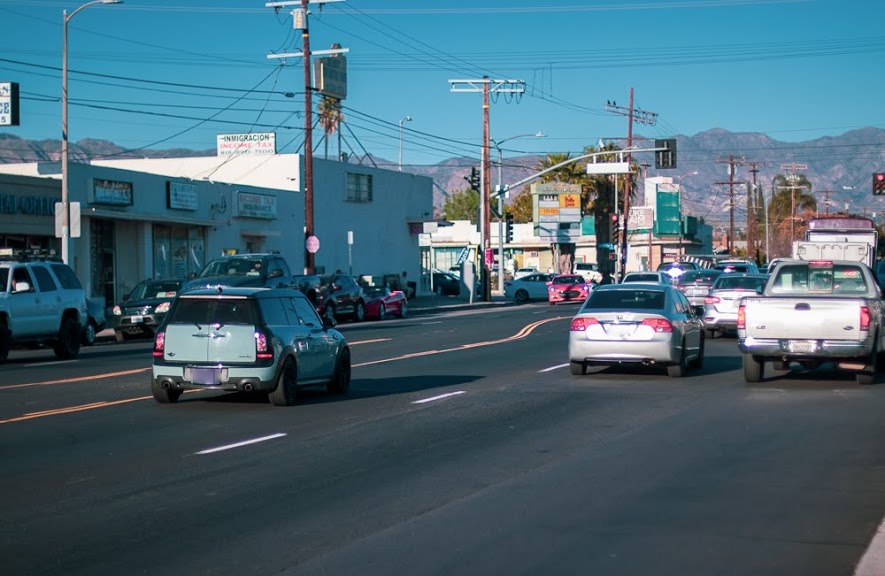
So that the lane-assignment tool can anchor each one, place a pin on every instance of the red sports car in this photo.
(382, 302)
(568, 288)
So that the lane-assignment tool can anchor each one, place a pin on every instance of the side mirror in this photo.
(329, 322)
(275, 273)
(22, 287)
(759, 289)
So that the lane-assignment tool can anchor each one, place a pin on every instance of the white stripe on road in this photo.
(552, 368)
(873, 561)
(243, 443)
(440, 397)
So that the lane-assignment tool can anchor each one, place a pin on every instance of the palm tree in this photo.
(791, 195)
(329, 110)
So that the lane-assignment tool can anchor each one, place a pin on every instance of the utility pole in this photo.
(826, 194)
(486, 86)
(731, 182)
(792, 178)
(299, 22)
(643, 117)
(752, 219)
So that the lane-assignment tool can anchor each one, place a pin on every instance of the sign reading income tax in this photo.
(556, 210)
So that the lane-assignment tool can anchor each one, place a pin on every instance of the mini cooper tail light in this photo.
(263, 351)
(742, 317)
(581, 323)
(659, 325)
(864, 319)
(159, 344)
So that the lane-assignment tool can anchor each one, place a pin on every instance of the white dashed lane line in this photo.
(440, 397)
(552, 368)
(239, 444)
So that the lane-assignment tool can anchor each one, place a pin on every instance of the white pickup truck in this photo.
(813, 312)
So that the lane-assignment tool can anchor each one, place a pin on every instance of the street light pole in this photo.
(65, 212)
(406, 119)
(497, 146)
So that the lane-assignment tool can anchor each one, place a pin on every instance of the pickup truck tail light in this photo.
(711, 300)
(742, 317)
(864, 319)
(658, 324)
(159, 344)
(581, 323)
(263, 348)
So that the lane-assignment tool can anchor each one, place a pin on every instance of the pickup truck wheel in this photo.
(67, 346)
(753, 369)
(340, 382)
(164, 395)
(678, 370)
(5, 343)
(285, 392)
(867, 376)
(577, 368)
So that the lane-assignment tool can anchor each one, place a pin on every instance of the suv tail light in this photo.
(263, 349)
(658, 324)
(159, 344)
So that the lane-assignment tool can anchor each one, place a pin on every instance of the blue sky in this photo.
(174, 73)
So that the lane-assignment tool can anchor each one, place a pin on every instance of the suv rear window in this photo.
(213, 311)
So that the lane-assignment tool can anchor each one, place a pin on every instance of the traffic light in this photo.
(508, 228)
(665, 158)
(614, 227)
(473, 179)
(879, 184)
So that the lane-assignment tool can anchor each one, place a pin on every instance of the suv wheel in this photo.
(340, 382)
(5, 343)
(68, 344)
(285, 392)
(359, 312)
(88, 338)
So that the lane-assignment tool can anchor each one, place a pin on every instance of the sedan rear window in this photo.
(213, 311)
(626, 300)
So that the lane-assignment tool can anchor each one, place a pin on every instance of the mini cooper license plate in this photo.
(205, 376)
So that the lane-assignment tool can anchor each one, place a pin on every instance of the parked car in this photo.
(247, 340)
(654, 277)
(522, 272)
(568, 288)
(382, 302)
(335, 296)
(676, 269)
(445, 284)
(589, 270)
(695, 284)
(268, 270)
(531, 287)
(95, 320)
(722, 302)
(636, 323)
(142, 311)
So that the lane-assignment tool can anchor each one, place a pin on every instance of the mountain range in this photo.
(839, 167)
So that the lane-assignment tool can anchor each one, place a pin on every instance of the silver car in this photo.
(531, 287)
(656, 277)
(636, 323)
(722, 302)
(247, 340)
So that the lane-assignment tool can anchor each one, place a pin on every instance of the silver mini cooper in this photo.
(248, 340)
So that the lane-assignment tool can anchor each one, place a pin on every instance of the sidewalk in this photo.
(427, 304)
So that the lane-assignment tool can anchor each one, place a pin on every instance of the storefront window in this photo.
(178, 251)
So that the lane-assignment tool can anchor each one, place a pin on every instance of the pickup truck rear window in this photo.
(798, 279)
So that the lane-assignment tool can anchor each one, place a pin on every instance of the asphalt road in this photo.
(464, 447)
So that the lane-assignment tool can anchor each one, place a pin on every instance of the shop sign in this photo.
(181, 195)
(112, 192)
(9, 114)
(257, 143)
(256, 205)
(27, 205)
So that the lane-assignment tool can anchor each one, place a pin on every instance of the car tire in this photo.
(521, 295)
(753, 369)
(404, 310)
(678, 370)
(89, 331)
(5, 343)
(577, 368)
(867, 376)
(67, 346)
(340, 382)
(710, 333)
(382, 312)
(359, 312)
(287, 384)
(698, 362)
(120, 336)
(329, 312)
(164, 395)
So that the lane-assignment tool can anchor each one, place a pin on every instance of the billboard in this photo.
(330, 76)
(8, 104)
(257, 143)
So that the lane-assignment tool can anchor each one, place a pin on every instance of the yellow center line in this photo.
(527, 330)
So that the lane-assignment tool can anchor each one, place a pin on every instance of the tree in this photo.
(791, 196)
(521, 207)
(462, 205)
(330, 119)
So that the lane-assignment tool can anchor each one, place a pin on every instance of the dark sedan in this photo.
(143, 310)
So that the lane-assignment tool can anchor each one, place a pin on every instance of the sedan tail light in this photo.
(263, 349)
(159, 344)
(712, 300)
(581, 323)
(658, 324)
(742, 317)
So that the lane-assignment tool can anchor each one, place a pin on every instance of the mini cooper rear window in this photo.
(213, 311)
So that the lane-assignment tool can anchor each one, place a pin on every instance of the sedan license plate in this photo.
(205, 376)
(803, 346)
(137, 319)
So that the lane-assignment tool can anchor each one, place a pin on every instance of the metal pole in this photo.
(64, 141)
(406, 119)
(500, 222)
(309, 262)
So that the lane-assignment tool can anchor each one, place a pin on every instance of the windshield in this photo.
(232, 267)
(155, 289)
(568, 280)
(375, 290)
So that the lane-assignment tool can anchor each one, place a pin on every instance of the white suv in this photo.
(41, 302)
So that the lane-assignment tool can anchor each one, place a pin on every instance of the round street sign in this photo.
(312, 244)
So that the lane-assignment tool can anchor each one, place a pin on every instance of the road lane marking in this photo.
(240, 444)
(79, 379)
(872, 563)
(369, 341)
(440, 397)
(71, 409)
(49, 363)
(552, 368)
